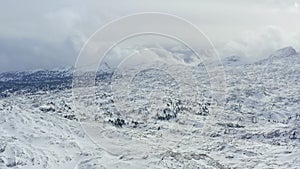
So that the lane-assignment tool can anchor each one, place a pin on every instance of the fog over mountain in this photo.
(50, 34)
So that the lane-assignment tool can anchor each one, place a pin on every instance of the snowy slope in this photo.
(156, 122)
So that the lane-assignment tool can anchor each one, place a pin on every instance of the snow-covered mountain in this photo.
(285, 56)
(157, 122)
(284, 52)
(21, 82)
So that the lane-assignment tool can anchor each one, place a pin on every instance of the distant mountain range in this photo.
(61, 78)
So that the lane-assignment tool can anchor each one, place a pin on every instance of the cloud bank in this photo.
(36, 34)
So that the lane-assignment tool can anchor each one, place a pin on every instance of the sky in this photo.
(38, 34)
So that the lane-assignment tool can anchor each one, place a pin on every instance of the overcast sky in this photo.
(46, 34)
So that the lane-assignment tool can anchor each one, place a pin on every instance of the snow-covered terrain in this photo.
(160, 125)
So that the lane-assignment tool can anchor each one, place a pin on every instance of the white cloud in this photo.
(55, 23)
(260, 44)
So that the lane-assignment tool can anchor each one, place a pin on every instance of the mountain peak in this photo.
(284, 52)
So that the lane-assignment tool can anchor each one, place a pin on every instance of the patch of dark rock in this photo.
(272, 134)
(117, 122)
(134, 123)
(215, 135)
(2, 147)
(247, 136)
(68, 107)
(231, 125)
(230, 156)
(70, 117)
(111, 101)
(294, 135)
(47, 109)
(254, 119)
(203, 109)
(1, 160)
(166, 114)
(14, 164)
(235, 125)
